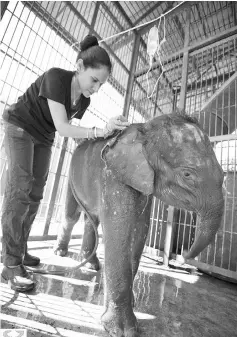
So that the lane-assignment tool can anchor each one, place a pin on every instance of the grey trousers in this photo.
(28, 166)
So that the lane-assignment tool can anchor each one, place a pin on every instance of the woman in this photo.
(47, 106)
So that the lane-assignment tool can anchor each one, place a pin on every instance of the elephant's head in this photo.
(172, 158)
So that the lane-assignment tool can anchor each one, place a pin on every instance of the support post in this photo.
(182, 102)
(183, 93)
(55, 186)
(131, 76)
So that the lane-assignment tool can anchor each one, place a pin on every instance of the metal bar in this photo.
(214, 81)
(51, 237)
(168, 235)
(201, 20)
(160, 219)
(97, 6)
(55, 186)
(131, 76)
(218, 92)
(112, 16)
(182, 101)
(223, 138)
(156, 100)
(193, 49)
(233, 11)
(143, 44)
(152, 220)
(3, 6)
(179, 27)
(104, 44)
(124, 14)
(158, 4)
(56, 180)
(209, 268)
(185, 5)
(120, 43)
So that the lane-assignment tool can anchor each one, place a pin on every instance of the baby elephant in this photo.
(169, 157)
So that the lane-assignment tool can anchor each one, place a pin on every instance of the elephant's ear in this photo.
(128, 163)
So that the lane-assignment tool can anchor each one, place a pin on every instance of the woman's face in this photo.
(91, 79)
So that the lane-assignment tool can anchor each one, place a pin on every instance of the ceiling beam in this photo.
(118, 42)
(204, 31)
(122, 11)
(3, 6)
(184, 5)
(106, 8)
(158, 4)
(97, 6)
(121, 43)
(179, 27)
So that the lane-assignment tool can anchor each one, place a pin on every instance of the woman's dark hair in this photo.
(92, 54)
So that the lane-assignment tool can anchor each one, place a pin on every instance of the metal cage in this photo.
(199, 75)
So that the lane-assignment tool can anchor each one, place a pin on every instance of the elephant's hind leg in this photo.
(88, 243)
(72, 215)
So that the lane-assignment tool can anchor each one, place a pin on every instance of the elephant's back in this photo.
(87, 155)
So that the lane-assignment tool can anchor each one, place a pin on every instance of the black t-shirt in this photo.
(31, 112)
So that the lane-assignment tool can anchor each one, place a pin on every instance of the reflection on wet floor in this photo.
(168, 302)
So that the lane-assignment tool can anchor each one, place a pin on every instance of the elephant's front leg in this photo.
(140, 232)
(118, 318)
(123, 247)
(88, 243)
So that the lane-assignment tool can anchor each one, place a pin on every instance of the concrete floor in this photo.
(169, 302)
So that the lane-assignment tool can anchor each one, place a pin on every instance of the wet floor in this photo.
(169, 302)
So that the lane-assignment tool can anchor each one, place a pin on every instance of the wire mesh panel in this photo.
(212, 98)
(210, 18)
(158, 221)
(28, 48)
(223, 252)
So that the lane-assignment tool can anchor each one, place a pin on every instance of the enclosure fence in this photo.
(198, 75)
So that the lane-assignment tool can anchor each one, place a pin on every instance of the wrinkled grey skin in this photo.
(169, 157)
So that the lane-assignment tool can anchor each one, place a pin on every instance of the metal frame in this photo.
(182, 57)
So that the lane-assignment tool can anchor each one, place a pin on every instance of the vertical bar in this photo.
(182, 102)
(183, 93)
(168, 235)
(131, 76)
(55, 186)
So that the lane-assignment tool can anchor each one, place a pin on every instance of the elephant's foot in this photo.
(120, 323)
(93, 263)
(60, 250)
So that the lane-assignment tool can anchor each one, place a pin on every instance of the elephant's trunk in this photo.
(207, 229)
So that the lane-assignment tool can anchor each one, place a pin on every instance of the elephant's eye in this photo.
(186, 174)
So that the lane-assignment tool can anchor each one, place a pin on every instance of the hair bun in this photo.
(89, 41)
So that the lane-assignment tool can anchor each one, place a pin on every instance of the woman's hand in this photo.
(115, 123)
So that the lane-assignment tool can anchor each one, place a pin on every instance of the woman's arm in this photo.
(59, 115)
